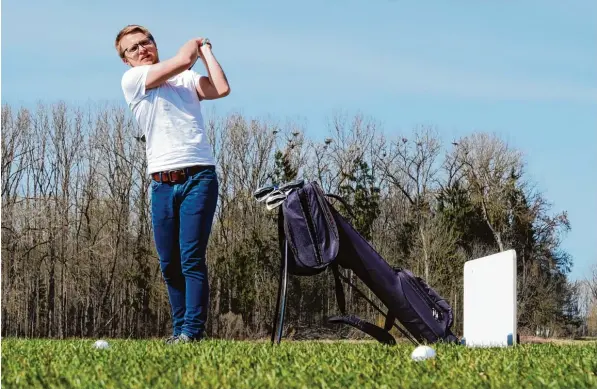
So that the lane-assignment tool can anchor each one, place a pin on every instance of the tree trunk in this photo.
(425, 254)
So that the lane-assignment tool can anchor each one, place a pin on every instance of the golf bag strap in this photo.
(389, 321)
(405, 333)
(343, 202)
(339, 289)
(370, 329)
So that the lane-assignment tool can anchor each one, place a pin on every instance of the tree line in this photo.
(77, 247)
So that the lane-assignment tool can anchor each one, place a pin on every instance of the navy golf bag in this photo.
(315, 237)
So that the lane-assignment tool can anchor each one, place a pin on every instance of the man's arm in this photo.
(162, 71)
(216, 85)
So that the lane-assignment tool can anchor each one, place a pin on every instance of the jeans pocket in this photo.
(154, 185)
(161, 202)
(205, 175)
(201, 194)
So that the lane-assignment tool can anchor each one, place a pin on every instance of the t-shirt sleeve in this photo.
(133, 83)
(194, 77)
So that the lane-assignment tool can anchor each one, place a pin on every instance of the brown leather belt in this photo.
(176, 176)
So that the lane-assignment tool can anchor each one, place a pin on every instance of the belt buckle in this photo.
(169, 174)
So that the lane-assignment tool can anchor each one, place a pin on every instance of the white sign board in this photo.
(490, 301)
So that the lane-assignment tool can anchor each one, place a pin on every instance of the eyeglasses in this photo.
(134, 49)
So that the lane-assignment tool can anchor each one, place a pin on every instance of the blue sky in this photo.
(524, 70)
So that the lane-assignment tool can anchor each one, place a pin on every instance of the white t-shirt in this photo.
(170, 117)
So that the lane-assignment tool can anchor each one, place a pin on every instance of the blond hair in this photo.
(131, 28)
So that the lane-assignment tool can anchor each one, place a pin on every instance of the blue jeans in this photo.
(182, 216)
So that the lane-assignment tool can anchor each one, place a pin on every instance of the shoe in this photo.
(184, 338)
(171, 340)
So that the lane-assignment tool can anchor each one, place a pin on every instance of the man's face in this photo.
(138, 49)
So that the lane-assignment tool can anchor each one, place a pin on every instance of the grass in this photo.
(235, 364)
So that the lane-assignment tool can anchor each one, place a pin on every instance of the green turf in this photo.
(229, 364)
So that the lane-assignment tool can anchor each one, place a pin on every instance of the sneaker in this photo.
(184, 338)
(171, 340)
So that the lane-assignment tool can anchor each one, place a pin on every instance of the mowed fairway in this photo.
(244, 364)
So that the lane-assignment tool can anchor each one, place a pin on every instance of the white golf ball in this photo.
(101, 344)
(422, 352)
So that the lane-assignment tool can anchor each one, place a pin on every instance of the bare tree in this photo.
(592, 282)
(490, 168)
(77, 251)
(410, 166)
(15, 161)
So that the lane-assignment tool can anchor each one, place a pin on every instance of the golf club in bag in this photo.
(314, 236)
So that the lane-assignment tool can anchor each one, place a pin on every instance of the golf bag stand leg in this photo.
(281, 302)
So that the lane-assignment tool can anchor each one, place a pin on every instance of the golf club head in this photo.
(275, 199)
(262, 193)
(296, 184)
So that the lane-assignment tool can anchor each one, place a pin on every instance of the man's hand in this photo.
(198, 51)
(203, 45)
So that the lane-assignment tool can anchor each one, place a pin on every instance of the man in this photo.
(165, 98)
